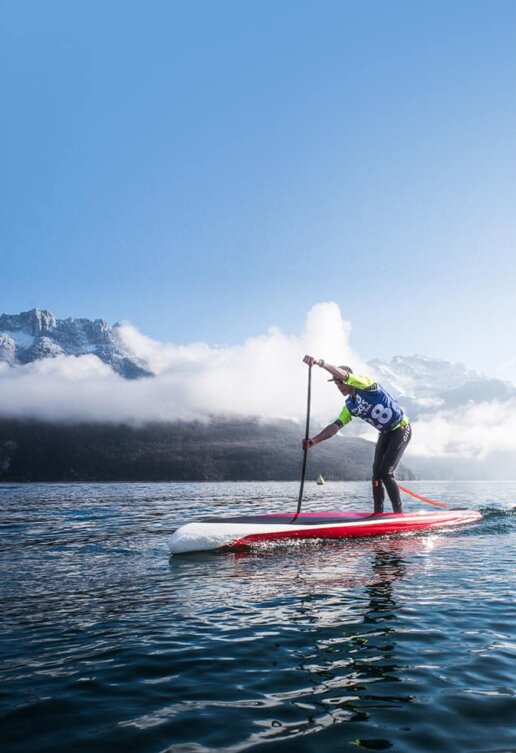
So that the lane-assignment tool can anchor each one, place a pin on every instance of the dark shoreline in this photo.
(219, 450)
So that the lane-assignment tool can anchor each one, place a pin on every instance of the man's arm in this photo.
(335, 371)
(352, 380)
(326, 433)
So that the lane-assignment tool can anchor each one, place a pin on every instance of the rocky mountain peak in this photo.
(34, 322)
(37, 334)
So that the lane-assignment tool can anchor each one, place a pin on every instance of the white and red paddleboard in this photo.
(247, 531)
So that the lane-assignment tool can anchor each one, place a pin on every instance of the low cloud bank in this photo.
(262, 377)
(474, 431)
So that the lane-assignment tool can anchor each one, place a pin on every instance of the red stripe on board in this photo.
(359, 530)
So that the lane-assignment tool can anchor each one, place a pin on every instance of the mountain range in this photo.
(420, 382)
(429, 383)
(427, 388)
(38, 334)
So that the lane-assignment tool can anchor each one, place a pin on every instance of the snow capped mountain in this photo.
(37, 334)
(419, 376)
(424, 384)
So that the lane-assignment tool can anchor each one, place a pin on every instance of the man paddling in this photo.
(367, 400)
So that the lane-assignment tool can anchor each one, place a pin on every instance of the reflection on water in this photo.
(343, 664)
(335, 620)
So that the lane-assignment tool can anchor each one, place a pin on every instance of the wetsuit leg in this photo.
(378, 490)
(393, 446)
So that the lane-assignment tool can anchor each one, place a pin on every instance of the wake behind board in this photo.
(247, 531)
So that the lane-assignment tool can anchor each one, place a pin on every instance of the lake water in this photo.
(389, 643)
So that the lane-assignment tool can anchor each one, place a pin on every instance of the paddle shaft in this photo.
(307, 436)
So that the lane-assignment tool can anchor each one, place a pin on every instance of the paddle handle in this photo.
(307, 436)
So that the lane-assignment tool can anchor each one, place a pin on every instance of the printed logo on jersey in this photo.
(376, 407)
(362, 407)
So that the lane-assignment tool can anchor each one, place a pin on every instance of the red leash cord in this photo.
(418, 496)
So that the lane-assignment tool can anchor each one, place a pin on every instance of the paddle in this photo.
(307, 436)
(423, 499)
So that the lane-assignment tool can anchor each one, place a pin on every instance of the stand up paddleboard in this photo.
(244, 532)
(247, 531)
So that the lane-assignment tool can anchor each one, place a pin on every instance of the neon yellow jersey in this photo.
(359, 382)
(371, 403)
(344, 417)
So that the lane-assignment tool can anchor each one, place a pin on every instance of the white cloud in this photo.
(472, 431)
(264, 376)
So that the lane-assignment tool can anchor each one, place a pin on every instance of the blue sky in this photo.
(209, 169)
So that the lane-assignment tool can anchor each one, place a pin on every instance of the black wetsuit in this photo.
(389, 449)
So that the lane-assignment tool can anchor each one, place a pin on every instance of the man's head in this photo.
(344, 389)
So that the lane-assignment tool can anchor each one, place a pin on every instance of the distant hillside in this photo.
(223, 450)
